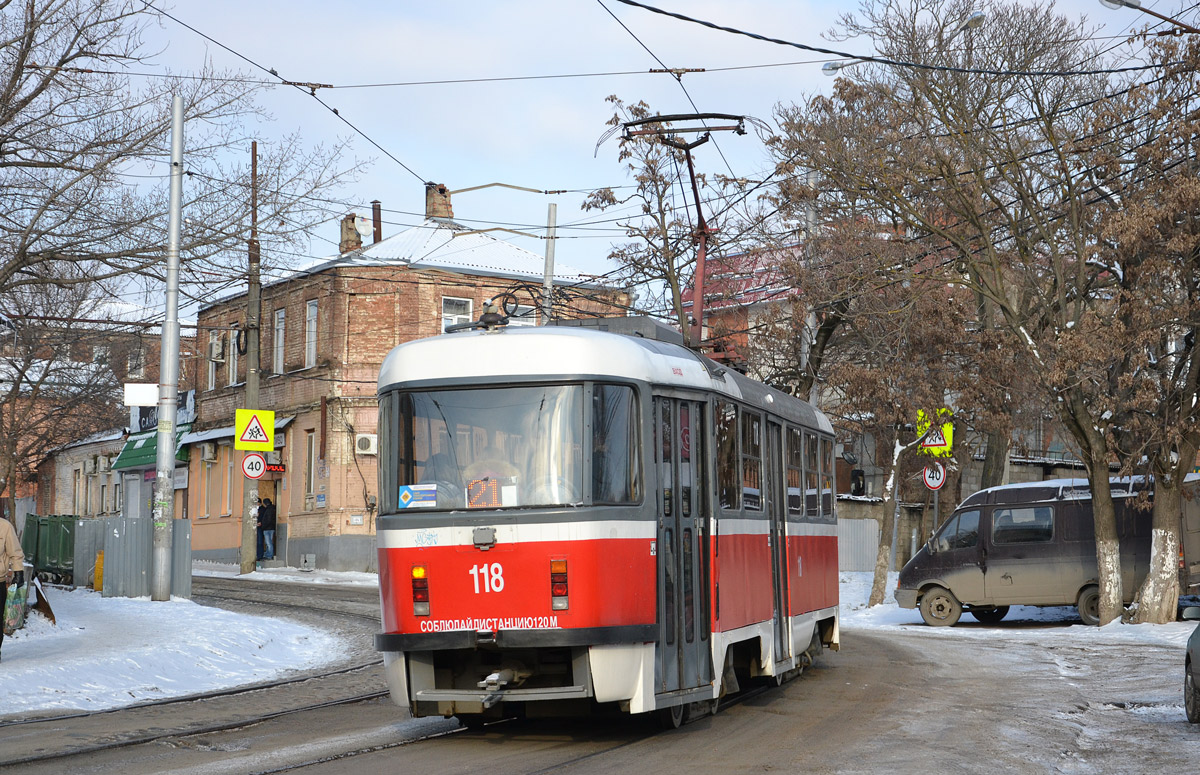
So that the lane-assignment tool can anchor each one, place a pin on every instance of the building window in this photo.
(229, 481)
(137, 363)
(75, 493)
(455, 311)
(212, 489)
(310, 461)
(103, 498)
(277, 341)
(118, 506)
(100, 354)
(523, 315)
(310, 334)
(231, 358)
(214, 339)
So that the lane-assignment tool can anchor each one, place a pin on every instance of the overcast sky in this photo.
(537, 132)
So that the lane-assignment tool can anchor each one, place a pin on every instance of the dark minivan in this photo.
(1034, 544)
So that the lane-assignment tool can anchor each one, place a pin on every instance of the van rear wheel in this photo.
(940, 608)
(990, 615)
(1089, 606)
(1191, 696)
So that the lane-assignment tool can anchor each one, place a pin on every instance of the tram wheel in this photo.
(670, 718)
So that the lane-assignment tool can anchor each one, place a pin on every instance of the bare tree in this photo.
(56, 384)
(992, 166)
(84, 151)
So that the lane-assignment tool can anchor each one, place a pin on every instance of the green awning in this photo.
(141, 449)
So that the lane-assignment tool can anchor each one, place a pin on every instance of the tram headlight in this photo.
(558, 585)
(420, 590)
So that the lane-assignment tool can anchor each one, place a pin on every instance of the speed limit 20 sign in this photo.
(254, 465)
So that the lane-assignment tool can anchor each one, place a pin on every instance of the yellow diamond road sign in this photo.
(254, 430)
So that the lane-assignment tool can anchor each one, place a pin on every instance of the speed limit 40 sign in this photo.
(934, 476)
(254, 465)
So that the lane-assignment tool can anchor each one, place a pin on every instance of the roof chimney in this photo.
(376, 221)
(350, 239)
(437, 201)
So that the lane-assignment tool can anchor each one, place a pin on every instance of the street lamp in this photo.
(971, 22)
(1137, 6)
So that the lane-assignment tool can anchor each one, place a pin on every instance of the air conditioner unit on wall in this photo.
(216, 349)
(208, 452)
(89, 466)
(366, 444)
(104, 464)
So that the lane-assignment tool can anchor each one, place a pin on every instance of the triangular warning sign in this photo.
(254, 432)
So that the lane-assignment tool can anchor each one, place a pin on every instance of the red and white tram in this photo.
(572, 516)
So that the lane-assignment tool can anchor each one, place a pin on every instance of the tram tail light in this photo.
(558, 585)
(420, 590)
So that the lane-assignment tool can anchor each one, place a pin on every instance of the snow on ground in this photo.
(108, 652)
(855, 588)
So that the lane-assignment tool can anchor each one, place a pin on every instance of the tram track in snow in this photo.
(63, 736)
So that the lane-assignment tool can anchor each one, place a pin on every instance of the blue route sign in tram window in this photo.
(417, 496)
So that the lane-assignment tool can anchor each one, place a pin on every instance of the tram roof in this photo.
(556, 353)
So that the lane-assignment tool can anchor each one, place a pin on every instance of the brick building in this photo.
(325, 331)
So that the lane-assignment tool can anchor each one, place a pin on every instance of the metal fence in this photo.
(128, 545)
(858, 544)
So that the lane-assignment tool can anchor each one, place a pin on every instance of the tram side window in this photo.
(729, 492)
(811, 476)
(752, 461)
(616, 460)
(387, 474)
(827, 479)
(795, 472)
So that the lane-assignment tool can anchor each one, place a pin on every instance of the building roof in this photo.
(440, 243)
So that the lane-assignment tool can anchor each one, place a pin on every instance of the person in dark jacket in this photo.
(266, 525)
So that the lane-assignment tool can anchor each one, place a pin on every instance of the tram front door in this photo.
(684, 660)
(775, 500)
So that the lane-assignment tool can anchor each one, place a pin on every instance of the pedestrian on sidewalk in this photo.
(266, 523)
(12, 566)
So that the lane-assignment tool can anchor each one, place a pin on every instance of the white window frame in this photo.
(523, 315)
(231, 358)
(213, 336)
(277, 343)
(136, 363)
(76, 495)
(229, 482)
(455, 318)
(118, 504)
(310, 462)
(310, 333)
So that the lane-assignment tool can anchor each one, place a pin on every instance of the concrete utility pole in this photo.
(548, 279)
(168, 376)
(253, 327)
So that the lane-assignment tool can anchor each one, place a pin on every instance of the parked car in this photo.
(1191, 669)
(1034, 544)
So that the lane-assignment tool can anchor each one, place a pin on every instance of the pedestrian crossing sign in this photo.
(254, 430)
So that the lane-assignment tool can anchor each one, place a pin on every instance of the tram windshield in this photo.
(516, 447)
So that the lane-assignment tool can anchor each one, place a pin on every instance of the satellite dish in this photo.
(363, 226)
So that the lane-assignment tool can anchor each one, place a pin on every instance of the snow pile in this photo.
(107, 652)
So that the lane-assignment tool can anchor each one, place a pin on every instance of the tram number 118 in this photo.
(490, 577)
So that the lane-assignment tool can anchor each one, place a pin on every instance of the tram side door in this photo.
(684, 653)
(775, 493)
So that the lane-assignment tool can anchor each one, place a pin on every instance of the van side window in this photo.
(1029, 525)
(961, 532)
